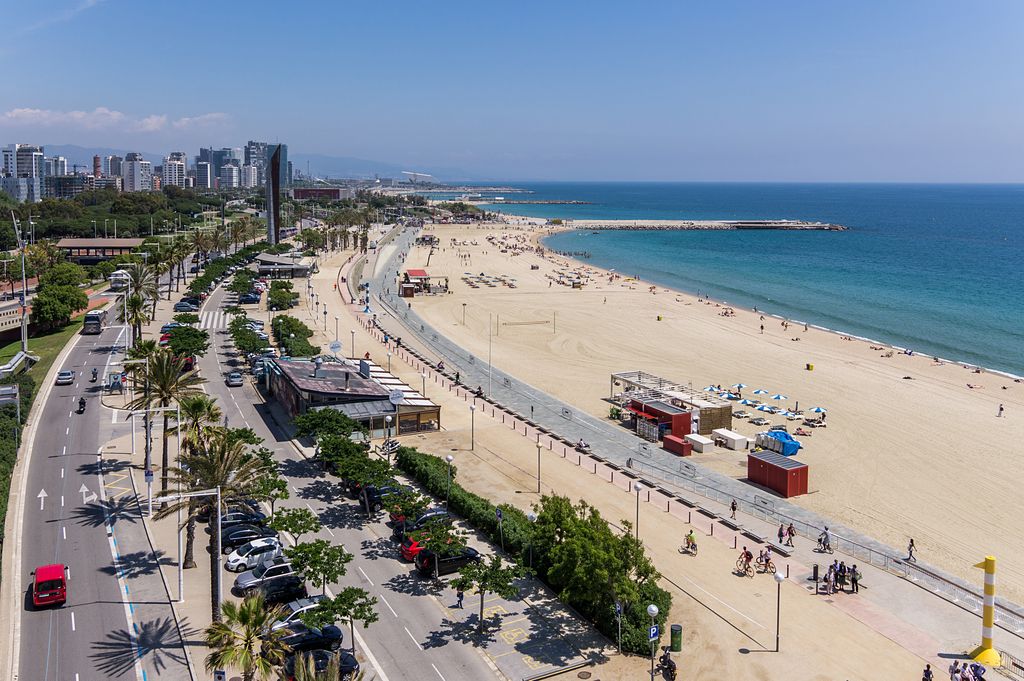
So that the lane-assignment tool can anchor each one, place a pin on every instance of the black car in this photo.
(249, 299)
(321, 658)
(239, 517)
(447, 563)
(191, 300)
(299, 637)
(237, 535)
(375, 496)
(405, 527)
(281, 589)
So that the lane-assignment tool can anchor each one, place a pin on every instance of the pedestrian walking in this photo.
(926, 675)
(733, 506)
(854, 579)
(762, 328)
(1000, 414)
(459, 595)
(782, 533)
(790, 534)
(910, 551)
(954, 671)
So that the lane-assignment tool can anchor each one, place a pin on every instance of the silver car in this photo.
(252, 554)
(268, 569)
(294, 610)
(235, 380)
(65, 377)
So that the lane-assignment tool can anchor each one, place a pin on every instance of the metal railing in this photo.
(1011, 666)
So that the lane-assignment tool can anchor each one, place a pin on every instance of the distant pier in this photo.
(640, 225)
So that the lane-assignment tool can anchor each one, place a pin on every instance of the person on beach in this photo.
(954, 671)
(762, 329)
(733, 506)
(910, 551)
(926, 675)
(1000, 414)
(790, 534)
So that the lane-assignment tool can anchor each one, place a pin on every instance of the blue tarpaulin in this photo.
(790, 446)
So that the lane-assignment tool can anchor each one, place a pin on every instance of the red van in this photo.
(50, 586)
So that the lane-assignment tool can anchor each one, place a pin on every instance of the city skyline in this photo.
(733, 92)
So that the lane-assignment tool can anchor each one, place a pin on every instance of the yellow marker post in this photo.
(985, 653)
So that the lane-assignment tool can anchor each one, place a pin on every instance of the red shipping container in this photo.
(681, 425)
(677, 445)
(779, 473)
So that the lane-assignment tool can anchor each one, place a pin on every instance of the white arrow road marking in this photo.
(42, 498)
(87, 496)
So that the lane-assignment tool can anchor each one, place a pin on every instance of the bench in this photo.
(780, 549)
(704, 511)
(732, 524)
(753, 537)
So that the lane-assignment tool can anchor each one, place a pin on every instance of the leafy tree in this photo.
(319, 561)
(407, 503)
(186, 318)
(442, 539)
(53, 305)
(352, 604)
(244, 640)
(188, 341)
(297, 521)
(320, 422)
(272, 488)
(491, 576)
(62, 274)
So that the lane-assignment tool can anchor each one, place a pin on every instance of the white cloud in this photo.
(203, 120)
(58, 17)
(103, 118)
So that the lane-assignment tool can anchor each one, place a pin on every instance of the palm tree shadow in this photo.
(118, 510)
(157, 644)
(137, 564)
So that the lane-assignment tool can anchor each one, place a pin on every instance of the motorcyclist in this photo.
(81, 404)
(95, 373)
(667, 663)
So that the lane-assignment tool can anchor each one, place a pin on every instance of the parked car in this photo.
(294, 610)
(447, 563)
(249, 299)
(268, 569)
(239, 517)
(300, 637)
(250, 555)
(405, 527)
(166, 328)
(50, 585)
(65, 377)
(411, 547)
(243, 534)
(281, 589)
(191, 300)
(185, 307)
(321, 658)
(235, 380)
(375, 496)
(262, 336)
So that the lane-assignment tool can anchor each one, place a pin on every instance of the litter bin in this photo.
(810, 367)
(677, 638)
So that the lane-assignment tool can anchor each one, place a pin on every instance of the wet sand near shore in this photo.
(924, 457)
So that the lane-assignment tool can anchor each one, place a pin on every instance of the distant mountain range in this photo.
(319, 165)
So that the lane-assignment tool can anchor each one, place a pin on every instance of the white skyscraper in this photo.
(138, 176)
(229, 176)
(173, 173)
(250, 176)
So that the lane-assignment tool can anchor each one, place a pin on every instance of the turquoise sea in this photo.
(933, 268)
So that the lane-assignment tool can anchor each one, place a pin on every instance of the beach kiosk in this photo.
(781, 474)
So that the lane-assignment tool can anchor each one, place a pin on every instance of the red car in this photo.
(50, 586)
(411, 546)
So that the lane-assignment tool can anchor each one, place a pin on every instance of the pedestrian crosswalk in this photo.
(214, 319)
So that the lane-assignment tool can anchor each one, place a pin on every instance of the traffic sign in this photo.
(497, 514)
(654, 633)
(149, 477)
(335, 347)
(618, 608)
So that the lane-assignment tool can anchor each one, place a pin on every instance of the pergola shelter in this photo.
(710, 410)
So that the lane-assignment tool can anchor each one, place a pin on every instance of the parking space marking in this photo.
(514, 636)
(495, 610)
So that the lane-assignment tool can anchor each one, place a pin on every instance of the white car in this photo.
(294, 610)
(250, 555)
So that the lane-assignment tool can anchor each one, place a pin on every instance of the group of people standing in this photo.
(839, 575)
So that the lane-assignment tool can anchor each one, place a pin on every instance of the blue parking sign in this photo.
(654, 633)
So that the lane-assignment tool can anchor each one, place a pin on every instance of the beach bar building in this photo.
(416, 281)
(707, 411)
(92, 251)
(360, 389)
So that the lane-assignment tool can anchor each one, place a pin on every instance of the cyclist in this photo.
(825, 539)
(765, 558)
(746, 556)
(691, 541)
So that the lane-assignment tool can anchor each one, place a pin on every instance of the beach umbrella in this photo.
(779, 396)
(760, 391)
(740, 386)
(819, 410)
(711, 387)
(745, 401)
(730, 396)
(763, 407)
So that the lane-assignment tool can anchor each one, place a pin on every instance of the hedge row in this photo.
(10, 432)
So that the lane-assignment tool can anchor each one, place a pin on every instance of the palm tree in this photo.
(244, 641)
(180, 250)
(138, 315)
(143, 279)
(201, 242)
(166, 381)
(305, 669)
(223, 463)
(199, 418)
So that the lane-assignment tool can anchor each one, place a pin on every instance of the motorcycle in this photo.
(667, 664)
(81, 405)
(95, 375)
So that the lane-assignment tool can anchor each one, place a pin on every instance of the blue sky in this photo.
(674, 90)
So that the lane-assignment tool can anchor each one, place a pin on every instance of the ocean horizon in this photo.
(932, 268)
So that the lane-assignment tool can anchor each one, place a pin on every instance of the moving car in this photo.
(446, 564)
(281, 589)
(301, 637)
(166, 328)
(243, 534)
(321, 658)
(65, 377)
(268, 569)
(252, 554)
(185, 307)
(294, 610)
(405, 527)
(235, 380)
(50, 586)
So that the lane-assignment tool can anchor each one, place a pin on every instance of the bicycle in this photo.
(766, 567)
(824, 548)
(691, 549)
(744, 568)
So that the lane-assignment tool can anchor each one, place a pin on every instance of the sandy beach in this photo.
(910, 450)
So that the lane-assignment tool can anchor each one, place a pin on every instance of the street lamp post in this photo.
(779, 579)
(335, 328)
(637, 487)
(652, 610)
(387, 436)
(448, 489)
(389, 362)
(325, 316)
(353, 346)
(423, 375)
(188, 495)
(463, 314)
(538, 465)
(472, 427)
(532, 517)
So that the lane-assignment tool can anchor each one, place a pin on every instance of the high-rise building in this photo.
(256, 155)
(23, 172)
(250, 176)
(68, 186)
(229, 176)
(173, 172)
(273, 193)
(55, 166)
(133, 156)
(204, 175)
(112, 166)
(97, 166)
(288, 175)
(180, 156)
(138, 174)
(218, 158)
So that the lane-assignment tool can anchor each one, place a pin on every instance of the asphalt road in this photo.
(415, 637)
(117, 623)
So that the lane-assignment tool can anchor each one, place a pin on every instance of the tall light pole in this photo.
(423, 376)
(532, 517)
(779, 579)
(94, 233)
(325, 316)
(188, 495)
(353, 346)
(335, 328)
(472, 428)
(652, 610)
(387, 436)
(389, 362)
(463, 314)
(105, 227)
(448, 489)
(538, 465)
(637, 487)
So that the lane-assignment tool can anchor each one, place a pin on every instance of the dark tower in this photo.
(274, 193)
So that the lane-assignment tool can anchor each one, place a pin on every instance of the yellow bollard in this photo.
(985, 653)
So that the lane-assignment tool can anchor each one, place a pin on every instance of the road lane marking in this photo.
(113, 416)
(329, 531)
(62, 473)
(365, 575)
(64, 532)
(64, 450)
(389, 605)
(431, 664)
(413, 638)
(67, 430)
(62, 501)
(70, 413)
(72, 620)
(68, 570)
